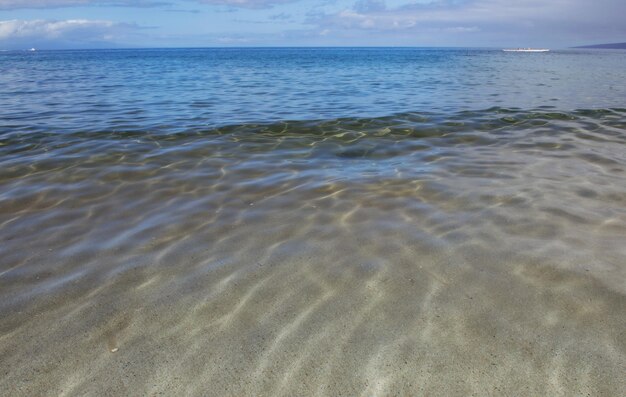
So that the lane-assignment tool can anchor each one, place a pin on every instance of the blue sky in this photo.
(212, 23)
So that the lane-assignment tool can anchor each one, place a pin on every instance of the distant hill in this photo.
(619, 46)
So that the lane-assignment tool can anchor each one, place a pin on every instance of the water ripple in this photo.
(466, 252)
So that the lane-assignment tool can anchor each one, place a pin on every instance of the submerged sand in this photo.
(219, 271)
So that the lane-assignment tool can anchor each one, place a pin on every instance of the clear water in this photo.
(312, 222)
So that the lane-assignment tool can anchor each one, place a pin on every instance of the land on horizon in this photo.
(617, 46)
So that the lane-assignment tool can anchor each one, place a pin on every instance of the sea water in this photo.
(352, 221)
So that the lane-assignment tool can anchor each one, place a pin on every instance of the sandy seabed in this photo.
(239, 266)
(343, 306)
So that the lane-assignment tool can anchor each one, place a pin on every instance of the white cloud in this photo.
(59, 34)
(47, 29)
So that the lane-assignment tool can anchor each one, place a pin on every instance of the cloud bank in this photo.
(72, 33)
(246, 3)
(24, 4)
(471, 21)
(493, 23)
(19, 4)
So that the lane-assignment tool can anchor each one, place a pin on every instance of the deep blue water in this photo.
(179, 89)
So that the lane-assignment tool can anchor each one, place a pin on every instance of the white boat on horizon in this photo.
(526, 50)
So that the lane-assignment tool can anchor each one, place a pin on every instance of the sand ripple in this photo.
(470, 253)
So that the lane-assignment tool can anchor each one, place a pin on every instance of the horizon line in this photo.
(270, 47)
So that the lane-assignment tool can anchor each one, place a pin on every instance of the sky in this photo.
(58, 24)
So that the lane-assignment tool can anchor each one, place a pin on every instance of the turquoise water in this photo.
(312, 222)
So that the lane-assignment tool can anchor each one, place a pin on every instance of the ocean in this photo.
(312, 221)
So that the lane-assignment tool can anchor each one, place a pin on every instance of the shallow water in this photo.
(403, 249)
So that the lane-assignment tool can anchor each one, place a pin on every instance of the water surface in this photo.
(312, 222)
